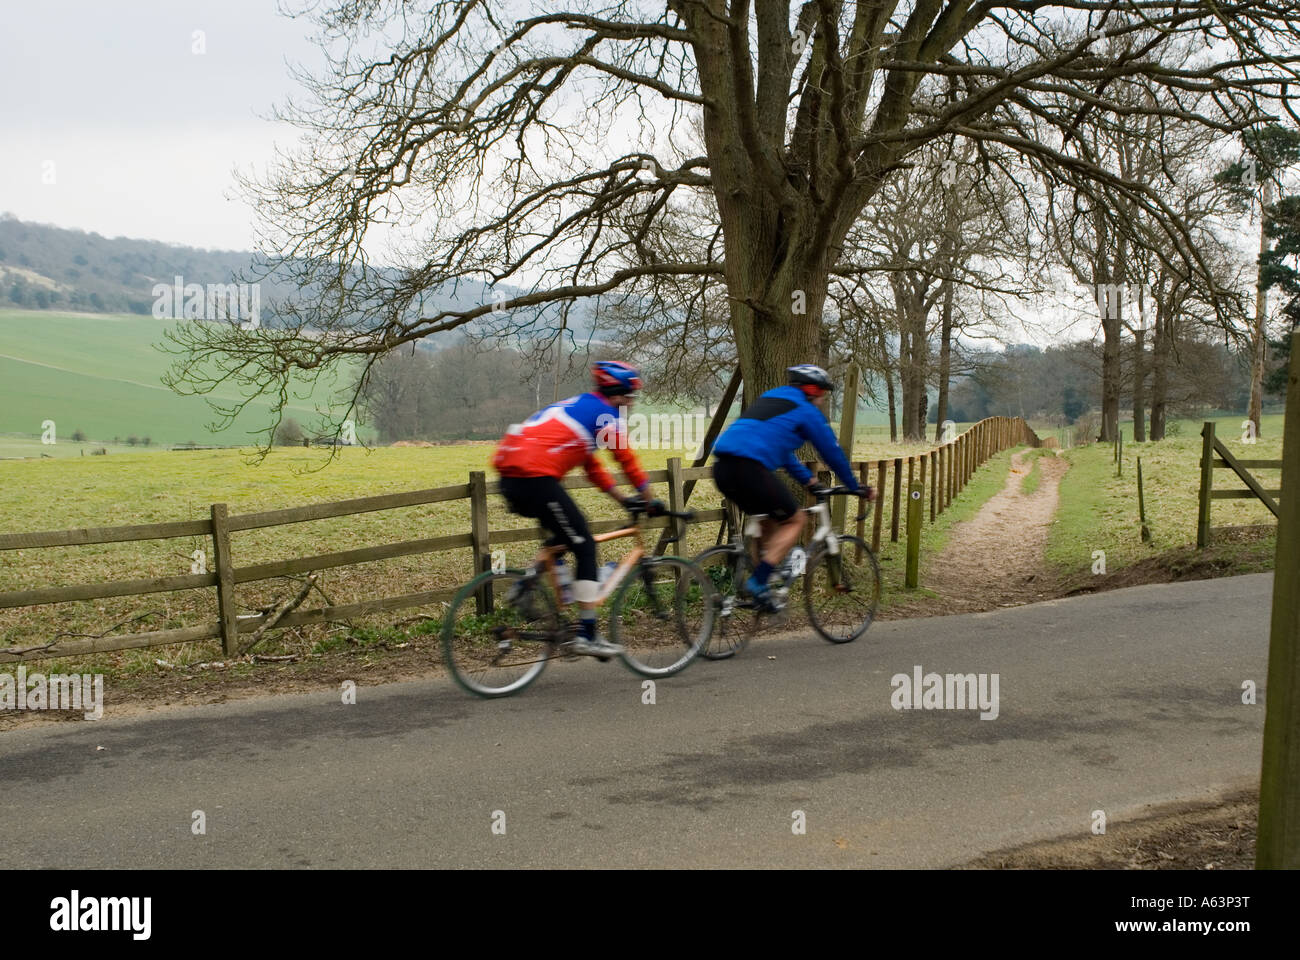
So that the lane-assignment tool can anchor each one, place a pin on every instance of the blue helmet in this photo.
(615, 379)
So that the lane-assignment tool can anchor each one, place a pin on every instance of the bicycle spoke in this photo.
(842, 591)
(736, 620)
(663, 616)
(500, 651)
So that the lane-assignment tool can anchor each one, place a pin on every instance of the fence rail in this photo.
(1211, 445)
(951, 466)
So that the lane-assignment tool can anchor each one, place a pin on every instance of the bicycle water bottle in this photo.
(607, 571)
(564, 577)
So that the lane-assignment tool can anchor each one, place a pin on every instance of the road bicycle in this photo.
(505, 626)
(841, 581)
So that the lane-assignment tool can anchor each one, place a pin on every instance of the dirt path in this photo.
(996, 558)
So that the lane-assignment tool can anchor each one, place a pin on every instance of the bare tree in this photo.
(540, 152)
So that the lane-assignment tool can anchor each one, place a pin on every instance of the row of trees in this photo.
(465, 391)
(1059, 384)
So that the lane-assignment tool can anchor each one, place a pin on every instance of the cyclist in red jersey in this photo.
(534, 456)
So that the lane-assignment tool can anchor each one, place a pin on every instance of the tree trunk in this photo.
(945, 360)
(1139, 384)
(1260, 332)
(1159, 369)
(1111, 307)
(889, 386)
(920, 361)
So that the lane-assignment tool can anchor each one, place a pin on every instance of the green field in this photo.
(1099, 510)
(100, 374)
(144, 487)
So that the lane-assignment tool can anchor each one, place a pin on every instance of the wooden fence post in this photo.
(898, 496)
(880, 506)
(848, 423)
(675, 498)
(864, 478)
(478, 528)
(1207, 483)
(915, 503)
(934, 475)
(1142, 507)
(225, 571)
(1278, 843)
(947, 474)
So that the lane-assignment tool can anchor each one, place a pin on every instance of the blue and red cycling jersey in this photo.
(567, 434)
(777, 424)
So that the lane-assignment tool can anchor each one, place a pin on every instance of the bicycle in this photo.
(663, 616)
(841, 583)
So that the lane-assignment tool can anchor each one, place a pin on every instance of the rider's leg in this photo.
(569, 523)
(785, 536)
(778, 537)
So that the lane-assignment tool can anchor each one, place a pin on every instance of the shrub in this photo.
(288, 433)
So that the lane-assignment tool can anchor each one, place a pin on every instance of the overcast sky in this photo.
(140, 133)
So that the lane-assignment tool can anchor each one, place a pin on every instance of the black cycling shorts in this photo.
(546, 501)
(753, 487)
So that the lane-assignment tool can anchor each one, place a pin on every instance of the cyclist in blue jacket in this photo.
(765, 437)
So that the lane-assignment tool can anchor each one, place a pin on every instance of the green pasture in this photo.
(101, 375)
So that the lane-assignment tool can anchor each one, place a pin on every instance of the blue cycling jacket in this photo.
(777, 424)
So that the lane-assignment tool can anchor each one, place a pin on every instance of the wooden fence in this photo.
(951, 464)
(1226, 461)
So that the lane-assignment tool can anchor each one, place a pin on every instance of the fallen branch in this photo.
(100, 636)
(287, 605)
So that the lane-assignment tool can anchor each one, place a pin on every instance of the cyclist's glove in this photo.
(655, 508)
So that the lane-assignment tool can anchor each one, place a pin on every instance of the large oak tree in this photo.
(533, 150)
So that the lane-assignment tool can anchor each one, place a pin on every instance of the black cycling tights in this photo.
(544, 500)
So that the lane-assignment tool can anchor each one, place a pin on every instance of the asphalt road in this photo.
(1109, 702)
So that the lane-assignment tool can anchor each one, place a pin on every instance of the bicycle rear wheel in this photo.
(662, 615)
(736, 620)
(842, 590)
(501, 651)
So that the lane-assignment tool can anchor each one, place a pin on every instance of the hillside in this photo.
(44, 267)
(100, 374)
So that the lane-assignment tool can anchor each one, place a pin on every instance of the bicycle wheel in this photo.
(662, 615)
(497, 653)
(842, 590)
(736, 619)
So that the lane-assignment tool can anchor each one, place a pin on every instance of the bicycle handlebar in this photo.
(642, 507)
(843, 491)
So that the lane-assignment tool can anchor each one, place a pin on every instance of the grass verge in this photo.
(1097, 531)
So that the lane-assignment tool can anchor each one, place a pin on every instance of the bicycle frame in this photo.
(824, 531)
(611, 583)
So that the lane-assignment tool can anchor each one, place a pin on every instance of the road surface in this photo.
(1108, 702)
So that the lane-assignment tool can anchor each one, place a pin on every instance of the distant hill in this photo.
(43, 267)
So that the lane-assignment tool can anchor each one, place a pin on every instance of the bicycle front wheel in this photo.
(842, 590)
(493, 648)
(663, 616)
(736, 619)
